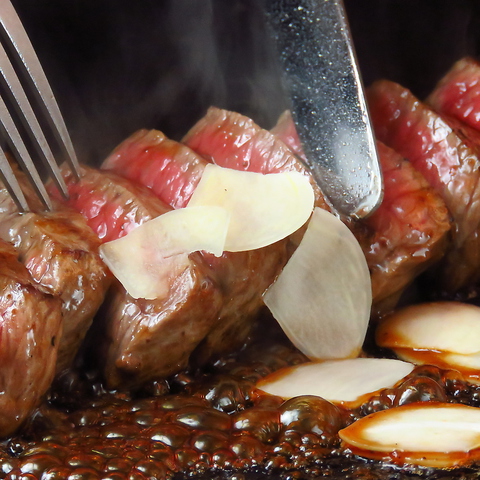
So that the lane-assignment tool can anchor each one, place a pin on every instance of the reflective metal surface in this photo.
(328, 105)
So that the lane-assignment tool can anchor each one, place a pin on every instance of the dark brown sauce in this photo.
(212, 424)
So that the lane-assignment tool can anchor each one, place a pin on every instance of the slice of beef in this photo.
(408, 233)
(111, 205)
(448, 162)
(169, 168)
(235, 141)
(457, 95)
(232, 140)
(405, 235)
(286, 131)
(142, 340)
(174, 171)
(61, 253)
(136, 339)
(30, 329)
(243, 277)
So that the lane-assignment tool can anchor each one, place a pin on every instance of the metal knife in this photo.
(328, 105)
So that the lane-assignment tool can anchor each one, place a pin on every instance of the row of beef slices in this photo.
(210, 307)
(53, 282)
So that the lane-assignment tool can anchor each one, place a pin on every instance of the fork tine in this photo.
(22, 156)
(17, 38)
(28, 117)
(11, 183)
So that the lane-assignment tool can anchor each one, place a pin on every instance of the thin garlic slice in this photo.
(457, 360)
(263, 208)
(322, 298)
(430, 434)
(148, 259)
(444, 326)
(338, 381)
(467, 365)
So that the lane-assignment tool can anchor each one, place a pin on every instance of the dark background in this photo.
(120, 65)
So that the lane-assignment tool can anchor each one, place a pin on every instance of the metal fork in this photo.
(21, 72)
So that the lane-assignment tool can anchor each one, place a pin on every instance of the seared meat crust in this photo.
(408, 233)
(137, 339)
(30, 329)
(405, 235)
(448, 162)
(61, 253)
(148, 339)
(173, 173)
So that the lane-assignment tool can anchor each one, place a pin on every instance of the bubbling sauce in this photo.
(213, 424)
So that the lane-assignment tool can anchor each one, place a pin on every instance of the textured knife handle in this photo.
(328, 105)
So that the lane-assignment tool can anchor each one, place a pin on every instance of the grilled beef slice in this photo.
(174, 171)
(30, 329)
(170, 169)
(408, 233)
(286, 131)
(137, 339)
(61, 253)
(232, 140)
(449, 163)
(457, 95)
(405, 235)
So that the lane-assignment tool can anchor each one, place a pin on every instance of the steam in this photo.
(117, 65)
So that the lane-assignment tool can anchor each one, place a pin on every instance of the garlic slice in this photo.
(322, 298)
(338, 381)
(467, 365)
(430, 434)
(263, 208)
(444, 326)
(457, 360)
(148, 259)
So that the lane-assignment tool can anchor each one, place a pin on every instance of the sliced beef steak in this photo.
(242, 276)
(140, 340)
(286, 131)
(405, 235)
(457, 95)
(144, 340)
(448, 162)
(30, 329)
(408, 233)
(169, 168)
(111, 205)
(232, 140)
(61, 253)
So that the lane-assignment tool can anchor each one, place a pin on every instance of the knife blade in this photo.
(321, 76)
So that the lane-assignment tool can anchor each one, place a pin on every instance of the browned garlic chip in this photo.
(430, 434)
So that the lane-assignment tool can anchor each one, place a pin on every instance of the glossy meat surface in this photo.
(30, 329)
(448, 163)
(405, 235)
(169, 168)
(242, 277)
(232, 140)
(136, 339)
(111, 205)
(60, 252)
(408, 232)
(144, 340)
(458, 93)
